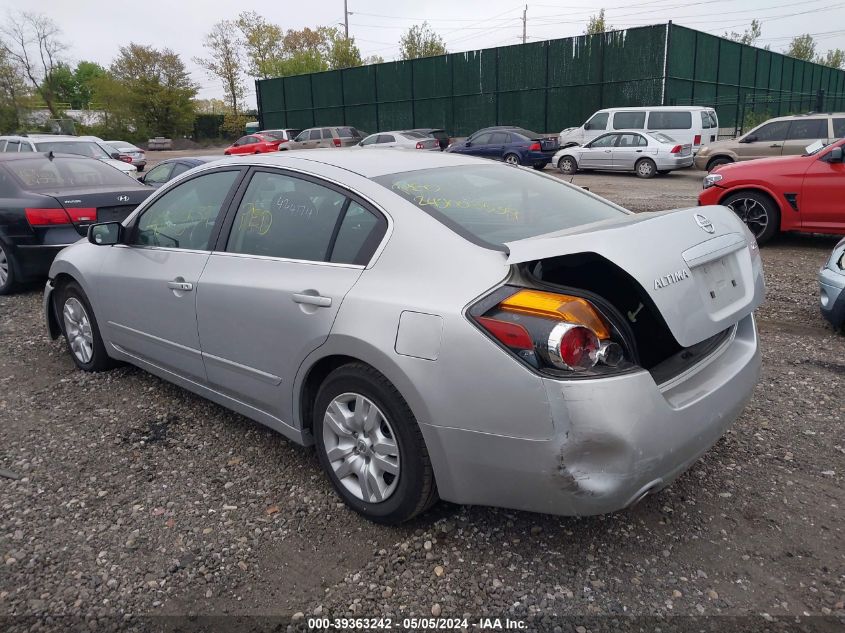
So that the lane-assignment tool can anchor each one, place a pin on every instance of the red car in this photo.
(254, 144)
(795, 193)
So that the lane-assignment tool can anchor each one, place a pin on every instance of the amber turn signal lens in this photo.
(551, 305)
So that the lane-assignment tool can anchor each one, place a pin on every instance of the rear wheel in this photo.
(758, 211)
(715, 162)
(512, 159)
(370, 446)
(141, 168)
(645, 168)
(539, 167)
(80, 329)
(567, 165)
(7, 271)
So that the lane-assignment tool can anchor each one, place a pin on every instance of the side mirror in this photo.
(835, 155)
(142, 177)
(587, 126)
(749, 139)
(115, 155)
(105, 233)
(468, 144)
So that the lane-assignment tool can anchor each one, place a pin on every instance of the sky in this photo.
(95, 29)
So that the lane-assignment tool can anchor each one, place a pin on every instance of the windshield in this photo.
(83, 148)
(497, 204)
(39, 173)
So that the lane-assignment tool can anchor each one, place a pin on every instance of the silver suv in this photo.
(782, 136)
(336, 136)
(67, 145)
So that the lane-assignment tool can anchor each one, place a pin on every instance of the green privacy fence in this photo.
(547, 86)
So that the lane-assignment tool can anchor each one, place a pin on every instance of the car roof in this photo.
(370, 164)
(24, 155)
(656, 107)
(199, 160)
(805, 115)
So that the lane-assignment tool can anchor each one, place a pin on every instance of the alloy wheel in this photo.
(566, 164)
(78, 330)
(644, 168)
(4, 267)
(511, 159)
(361, 447)
(753, 213)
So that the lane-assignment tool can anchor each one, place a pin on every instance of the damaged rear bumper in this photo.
(615, 439)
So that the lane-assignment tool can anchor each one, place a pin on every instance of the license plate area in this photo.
(720, 282)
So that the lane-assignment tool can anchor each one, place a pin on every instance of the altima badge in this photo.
(123, 198)
(704, 223)
(672, 278)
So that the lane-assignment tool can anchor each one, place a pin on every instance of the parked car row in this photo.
(83, 146)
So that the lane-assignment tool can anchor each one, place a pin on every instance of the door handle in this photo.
(776, 145)
(639, 151)
(607, 151)
(184, 286)
(312, 300)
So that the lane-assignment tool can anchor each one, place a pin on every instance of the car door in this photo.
(598, 154)
(629, 148)
(802, 132)
(239, 146)
(146, 287)
(270, 292)
(499, 142)
(766, 140)
(821, 203)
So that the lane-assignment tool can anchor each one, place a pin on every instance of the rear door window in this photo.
(839, 128)
(669, 120)
(500, 138)
(807, 129)
(482, 139)
(386, 138)
(25, 147)
(628, 120)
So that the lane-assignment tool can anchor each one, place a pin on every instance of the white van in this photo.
(692, 125)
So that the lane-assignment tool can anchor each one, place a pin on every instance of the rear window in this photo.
(83, 148)
(347, 132)
(66, 173)
(669, 120)
(494, 204)
(708, 120)
(629, 121)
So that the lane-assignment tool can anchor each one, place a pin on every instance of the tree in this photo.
(597, 24)
(76, 86)
(374, 59)
(749, 36)
(802, 47)
(12, 91)
(421, 41)
(211, 106)
(32, 43)
(262, 42)
(344, 53)
(834, 58)
(224, 61)
(149, 90)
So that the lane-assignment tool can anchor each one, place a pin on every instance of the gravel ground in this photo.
(123, 497)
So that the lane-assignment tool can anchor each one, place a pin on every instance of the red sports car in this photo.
(795, 193)
(253, 144)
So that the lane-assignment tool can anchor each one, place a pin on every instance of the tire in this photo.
(141, 168)
(539, 167)
(75, 315)
(645, 168)
(512, 159)
(8, 276)
(396, 493)
(759, 213)
(662, 172)
(715, 162)
(567, 165)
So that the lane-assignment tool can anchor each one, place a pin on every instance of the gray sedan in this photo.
(403, 139)
(436, 325)
(832, 287)
(644, 153)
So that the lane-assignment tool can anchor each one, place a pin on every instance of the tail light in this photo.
(126, 158)
(336, 142)
(82, 214)
(551, 331)
(420, 145)
(675, 149)
(697, 140)
(535, 147)
(46, 217)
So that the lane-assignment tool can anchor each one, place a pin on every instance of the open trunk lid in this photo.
(700, 266)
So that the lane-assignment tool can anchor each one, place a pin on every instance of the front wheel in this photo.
(141, 168)
(370, 446)
(80, 329)
(539, 167)
(7, 272)
(758, 211)
(716, 162)
(512, 159)
(567, 165)
(645, 168)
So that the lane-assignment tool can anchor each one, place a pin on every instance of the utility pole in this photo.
(346, 18)
(524, 22)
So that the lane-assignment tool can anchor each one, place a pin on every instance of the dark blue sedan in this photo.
(168, 169)
(514, 145)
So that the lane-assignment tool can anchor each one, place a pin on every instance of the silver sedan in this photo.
(404, 139)
(436, 325)
(644, 153)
